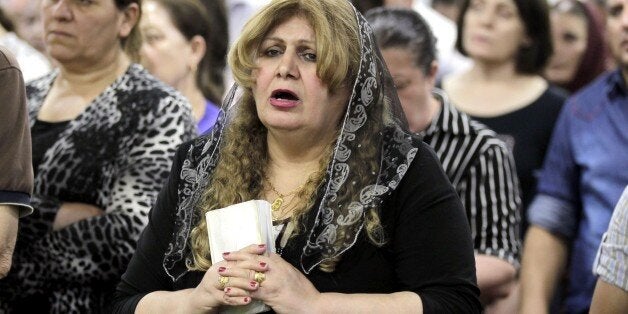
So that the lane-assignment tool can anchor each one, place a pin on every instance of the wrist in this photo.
(192, 303)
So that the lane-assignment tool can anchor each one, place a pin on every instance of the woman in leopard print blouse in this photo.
(104, 134)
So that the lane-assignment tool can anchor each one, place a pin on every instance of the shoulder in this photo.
(588, 102)
(144, 92)
(7, 59)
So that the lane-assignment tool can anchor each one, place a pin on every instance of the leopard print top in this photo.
(116, 155)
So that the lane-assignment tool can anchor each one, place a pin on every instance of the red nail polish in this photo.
(253, 283)
(221, 269)
(262, 246)
(226, 253)
(228, 290)
(246, 300)
(262, 264)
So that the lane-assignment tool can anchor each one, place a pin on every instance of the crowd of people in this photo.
(416, 156)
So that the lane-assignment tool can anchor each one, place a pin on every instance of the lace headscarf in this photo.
(373, 121)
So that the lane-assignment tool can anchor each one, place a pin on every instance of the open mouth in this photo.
(282, 94)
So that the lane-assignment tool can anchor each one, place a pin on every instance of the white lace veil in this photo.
(370, 158)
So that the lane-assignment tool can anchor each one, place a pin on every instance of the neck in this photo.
(292, 154)
(95, 78)
(624, 72)
(498, 71)
(427, 114)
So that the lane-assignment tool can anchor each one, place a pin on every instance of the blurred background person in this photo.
(104, 132)
(582, 179)
(479, 165)
(178, 48)
(16, 181)
(32, 63)
(579, 46)
(509, 42)
(449, 60)
(26, 17)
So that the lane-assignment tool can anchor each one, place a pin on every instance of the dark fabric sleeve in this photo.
(145, 273)
(432, 243)
(16, 171)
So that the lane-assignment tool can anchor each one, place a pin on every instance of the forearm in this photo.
(8, 234)
(163, 302)
(398, 302)
(496, 277)
(544, 259)
(609, 298)
(170, 302)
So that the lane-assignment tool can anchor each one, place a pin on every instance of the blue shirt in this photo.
(209, 118)
(583, 176)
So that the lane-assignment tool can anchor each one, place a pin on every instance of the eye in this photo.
(401, 84)
(152, 38)
(85, 2)
(615, 10)
(570, 37)
(272, 52)
(309, 56)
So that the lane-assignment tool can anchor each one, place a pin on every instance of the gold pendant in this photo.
(276, 204)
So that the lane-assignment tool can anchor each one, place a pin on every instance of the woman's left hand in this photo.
(281, 286)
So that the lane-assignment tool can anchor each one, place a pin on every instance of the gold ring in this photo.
(260, 277)
(222, 281)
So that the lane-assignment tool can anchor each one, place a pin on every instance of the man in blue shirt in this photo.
(585, 172)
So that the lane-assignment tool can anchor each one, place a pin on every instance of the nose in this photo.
(287, 67)
(61, 10)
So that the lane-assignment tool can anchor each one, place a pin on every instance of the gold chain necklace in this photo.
(278, 202)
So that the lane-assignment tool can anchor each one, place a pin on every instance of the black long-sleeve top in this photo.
(429, 249)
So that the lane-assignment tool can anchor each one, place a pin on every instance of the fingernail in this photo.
(253, 283)
(262, 264)
(226, 253)
(246, 300)
(261, 246)
(228, 290)
(221, 269)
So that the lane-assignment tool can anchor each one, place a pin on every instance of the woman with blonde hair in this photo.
(365, 218)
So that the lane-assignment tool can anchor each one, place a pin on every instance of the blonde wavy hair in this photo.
(239, 173)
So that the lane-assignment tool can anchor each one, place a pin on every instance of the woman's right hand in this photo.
(210, 293)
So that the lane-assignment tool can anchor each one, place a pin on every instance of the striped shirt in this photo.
(482, 170)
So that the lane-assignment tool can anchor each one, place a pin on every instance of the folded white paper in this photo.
(235, 227)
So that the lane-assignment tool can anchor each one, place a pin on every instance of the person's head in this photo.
(176, 48)
(409, 49)
(26, 16)
(498, 31)
(617, 32)
(578, 45)
(290, 50)
(91, 31)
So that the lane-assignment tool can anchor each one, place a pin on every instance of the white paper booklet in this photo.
(235, 227)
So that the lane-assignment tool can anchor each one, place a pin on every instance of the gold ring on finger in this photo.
(260, 277)
(222, 281)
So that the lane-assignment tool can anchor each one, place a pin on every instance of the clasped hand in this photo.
(234, 282)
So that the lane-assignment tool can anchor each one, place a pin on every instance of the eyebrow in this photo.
(300, 41)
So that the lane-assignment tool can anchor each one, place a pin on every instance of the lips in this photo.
(284, 98)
